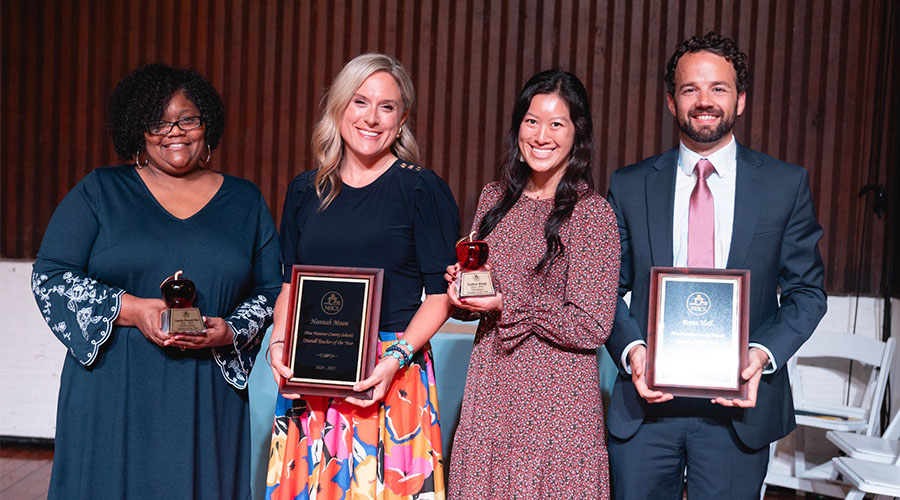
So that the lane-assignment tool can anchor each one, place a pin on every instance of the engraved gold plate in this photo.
(182, 320)
(475, 284)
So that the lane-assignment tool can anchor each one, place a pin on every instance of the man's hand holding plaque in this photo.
(473, 280)
(637, 360)
(751, 375)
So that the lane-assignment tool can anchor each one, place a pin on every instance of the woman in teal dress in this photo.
(143, 414)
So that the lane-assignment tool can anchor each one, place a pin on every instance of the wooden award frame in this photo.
(701, 348)
(331, 339)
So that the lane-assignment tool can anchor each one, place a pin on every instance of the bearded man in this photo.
(710, 203)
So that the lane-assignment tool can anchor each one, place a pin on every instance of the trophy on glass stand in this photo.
(473, 280)
(181, 315)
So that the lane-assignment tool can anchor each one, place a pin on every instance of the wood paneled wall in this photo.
(820, 80)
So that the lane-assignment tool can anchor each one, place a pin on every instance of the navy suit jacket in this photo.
(775, 235)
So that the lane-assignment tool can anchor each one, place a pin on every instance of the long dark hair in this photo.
(514, 173)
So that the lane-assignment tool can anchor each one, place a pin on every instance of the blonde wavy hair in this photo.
(327, 144)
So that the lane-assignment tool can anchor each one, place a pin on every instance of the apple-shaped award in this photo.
(473, 280)
(180, 316)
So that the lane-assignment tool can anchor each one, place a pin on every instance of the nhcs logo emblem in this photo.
(332, 303)
(698, 303)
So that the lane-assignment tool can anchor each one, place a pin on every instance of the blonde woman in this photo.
(368, 204)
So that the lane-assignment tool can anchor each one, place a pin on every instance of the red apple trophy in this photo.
(473, 279)
(181, 315)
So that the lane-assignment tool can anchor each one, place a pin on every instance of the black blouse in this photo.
(405, 222)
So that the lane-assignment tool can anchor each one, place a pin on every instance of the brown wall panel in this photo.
(820, 77)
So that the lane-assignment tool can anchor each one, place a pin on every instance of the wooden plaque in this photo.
(697, 339)
(330, 343)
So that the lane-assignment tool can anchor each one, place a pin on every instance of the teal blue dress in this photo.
(136, 420)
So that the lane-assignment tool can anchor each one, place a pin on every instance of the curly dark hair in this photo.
(717, 44)
(514, 173)
(141, 99)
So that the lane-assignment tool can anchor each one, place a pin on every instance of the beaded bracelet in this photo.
(401, 351)
(403, 343)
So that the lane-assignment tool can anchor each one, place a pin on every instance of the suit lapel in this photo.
(747, 204)
(659, 187)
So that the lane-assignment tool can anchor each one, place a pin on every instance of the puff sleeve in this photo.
(435, 229)
(290, 223)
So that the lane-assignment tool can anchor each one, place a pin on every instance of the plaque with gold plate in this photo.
(697, 339)
(473, 280)
(180, 316)
(332, 335)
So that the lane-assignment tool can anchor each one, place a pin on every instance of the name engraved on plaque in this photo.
(330, 327)
(331, 343)
(700, 324)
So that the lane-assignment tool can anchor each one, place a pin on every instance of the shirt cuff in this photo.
(625, 365)
(771, 366)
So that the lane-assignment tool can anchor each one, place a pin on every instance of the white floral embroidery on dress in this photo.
(88, 299)
(246, 322)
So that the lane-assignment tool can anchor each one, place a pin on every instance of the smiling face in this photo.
(372, 119)
(706, 101)
(546, 135)
(178, 152)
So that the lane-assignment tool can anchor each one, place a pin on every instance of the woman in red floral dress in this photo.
(531, 424)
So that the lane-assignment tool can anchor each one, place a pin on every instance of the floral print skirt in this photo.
(326, 449)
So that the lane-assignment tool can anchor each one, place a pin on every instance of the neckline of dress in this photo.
(166, 211)
(539, 200)
(374, 181)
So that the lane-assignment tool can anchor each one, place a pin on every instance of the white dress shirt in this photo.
(722, 184)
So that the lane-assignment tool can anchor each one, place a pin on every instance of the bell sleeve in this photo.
(582, 316)
(250, 319)
(435, 229)
(79, 309)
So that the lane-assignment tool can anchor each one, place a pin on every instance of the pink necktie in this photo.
(701, 220)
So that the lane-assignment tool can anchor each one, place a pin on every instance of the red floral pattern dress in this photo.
(531, 425)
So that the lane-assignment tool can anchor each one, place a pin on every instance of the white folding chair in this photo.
(860, 416)
(880, 479)
(884, 449)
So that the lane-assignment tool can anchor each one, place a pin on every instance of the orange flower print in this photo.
(328, 488)
(366, 480)
(404, 405)
(405, 474)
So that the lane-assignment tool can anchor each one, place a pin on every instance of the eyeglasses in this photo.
(164, 128)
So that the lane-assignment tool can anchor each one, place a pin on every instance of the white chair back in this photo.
(893, 429)
(871, 352)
